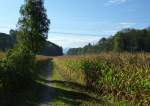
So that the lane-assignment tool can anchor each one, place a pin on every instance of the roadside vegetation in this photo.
(119, 77)
(18, 68)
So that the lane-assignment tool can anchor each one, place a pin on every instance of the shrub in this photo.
(17, 69)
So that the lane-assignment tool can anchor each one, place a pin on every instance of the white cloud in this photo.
(112, 28)
(122, 25)
(74, 41)
(127, 24)
(110, 2)
(6, 28)
(71, 41)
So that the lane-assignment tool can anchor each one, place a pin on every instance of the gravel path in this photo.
(47, 92)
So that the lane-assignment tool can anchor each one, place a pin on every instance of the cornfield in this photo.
(124, 76)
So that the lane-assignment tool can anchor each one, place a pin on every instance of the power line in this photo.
(64, 33)
(6, 27)
(70, 33)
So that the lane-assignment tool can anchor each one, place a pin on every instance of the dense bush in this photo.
(17, 68)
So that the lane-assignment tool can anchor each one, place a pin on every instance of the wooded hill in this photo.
(7, 41)
(129, 40)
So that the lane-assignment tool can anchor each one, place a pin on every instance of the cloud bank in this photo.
(110, 2)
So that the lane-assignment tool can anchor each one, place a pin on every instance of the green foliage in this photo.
(129, 40)
(33, 25)
(117, 43)
(17, 68)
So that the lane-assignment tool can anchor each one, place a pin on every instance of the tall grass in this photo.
(70, 68)
(123, 76)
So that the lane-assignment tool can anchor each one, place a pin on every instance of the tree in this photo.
(17, 69)
(13, 34)
(33, 25)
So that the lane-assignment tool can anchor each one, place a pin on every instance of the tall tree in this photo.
(33, 25)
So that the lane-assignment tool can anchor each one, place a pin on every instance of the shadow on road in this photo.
(42, 93)
(48, 93)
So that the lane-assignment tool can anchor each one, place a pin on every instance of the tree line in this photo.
(126, 40)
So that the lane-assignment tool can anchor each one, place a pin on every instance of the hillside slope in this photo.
(50, 49)
(6, 42)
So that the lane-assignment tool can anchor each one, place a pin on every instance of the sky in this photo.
(75, 23)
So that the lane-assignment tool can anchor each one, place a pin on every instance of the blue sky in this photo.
(75, 23)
